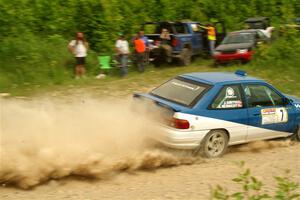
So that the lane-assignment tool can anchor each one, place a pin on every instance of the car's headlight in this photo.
(217, 53)
(242, 50)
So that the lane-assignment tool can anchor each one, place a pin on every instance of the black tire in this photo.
(244, 62)
(216, 64)
(214, 144)
(296, 135)
(157, 62)
(185, 57)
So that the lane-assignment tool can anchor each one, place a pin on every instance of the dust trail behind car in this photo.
(50, 139)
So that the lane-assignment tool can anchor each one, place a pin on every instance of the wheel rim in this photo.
(215, 144)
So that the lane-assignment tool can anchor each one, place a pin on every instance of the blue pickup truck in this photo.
(187, 39)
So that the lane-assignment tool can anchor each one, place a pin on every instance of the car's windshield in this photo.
(180, 90)
(236, 38)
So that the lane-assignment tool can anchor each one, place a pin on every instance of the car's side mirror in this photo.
(286, 101)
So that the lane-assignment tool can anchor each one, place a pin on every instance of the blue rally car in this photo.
(207, 112)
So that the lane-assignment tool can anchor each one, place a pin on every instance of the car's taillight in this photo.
(175, 42)
(180, 123)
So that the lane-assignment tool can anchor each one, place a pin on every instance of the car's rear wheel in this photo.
(214, 144)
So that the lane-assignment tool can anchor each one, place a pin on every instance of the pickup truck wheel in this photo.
(214, 144)
(185, 57)
(157, 62)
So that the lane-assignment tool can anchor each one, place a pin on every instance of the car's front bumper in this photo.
(221, 57)
(179, 139)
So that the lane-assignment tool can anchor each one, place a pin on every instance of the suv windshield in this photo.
(156, 28)
(181, 91)
(236, 38)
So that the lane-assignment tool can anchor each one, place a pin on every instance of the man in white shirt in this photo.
(78, 48)
(122, 49)
(268, 31)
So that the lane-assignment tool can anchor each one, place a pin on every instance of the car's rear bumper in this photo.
(179, 139)
(233, 56)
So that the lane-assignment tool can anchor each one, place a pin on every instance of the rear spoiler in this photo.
(156, 102)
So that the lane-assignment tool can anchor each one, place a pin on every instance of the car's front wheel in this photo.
(214, 144)
(296, 135)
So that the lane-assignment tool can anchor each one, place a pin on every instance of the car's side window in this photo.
(180, 28)
(229, 98)
(262, 96)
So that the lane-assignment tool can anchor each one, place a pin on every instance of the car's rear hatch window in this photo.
(182, 91)
(238, 38)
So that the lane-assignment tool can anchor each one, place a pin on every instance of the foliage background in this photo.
(34, 33)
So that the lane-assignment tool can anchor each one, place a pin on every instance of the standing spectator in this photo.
(147, 51)
(140, 48)
(166, 44)
(122, 49)
(211, 36)
(144, 38)
(79, 48)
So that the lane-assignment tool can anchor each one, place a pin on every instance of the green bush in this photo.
(34, 34)
(38, 60)
(283, 52)
(252, 188)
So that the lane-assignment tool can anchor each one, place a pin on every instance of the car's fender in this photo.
(295, 102)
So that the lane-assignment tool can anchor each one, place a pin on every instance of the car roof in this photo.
(214, 78)
(256, 19)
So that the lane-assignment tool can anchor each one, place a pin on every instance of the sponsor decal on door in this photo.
(274, 116)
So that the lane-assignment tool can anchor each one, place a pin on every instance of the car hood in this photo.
(233, 47)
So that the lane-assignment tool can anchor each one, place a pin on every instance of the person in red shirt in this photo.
(140, 49)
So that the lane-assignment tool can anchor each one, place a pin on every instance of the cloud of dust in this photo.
(50, 139)
(259, 146)
(47, 139)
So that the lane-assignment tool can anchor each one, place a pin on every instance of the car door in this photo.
(229, 108)
(221, 31)
(196, 31)
(269, 115)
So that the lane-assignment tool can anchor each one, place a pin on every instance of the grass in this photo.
(284, 78)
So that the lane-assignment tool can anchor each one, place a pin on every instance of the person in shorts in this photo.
(78, 48)
(166, 44)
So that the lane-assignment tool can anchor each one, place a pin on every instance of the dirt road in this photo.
(45, 143)
(181, 182)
